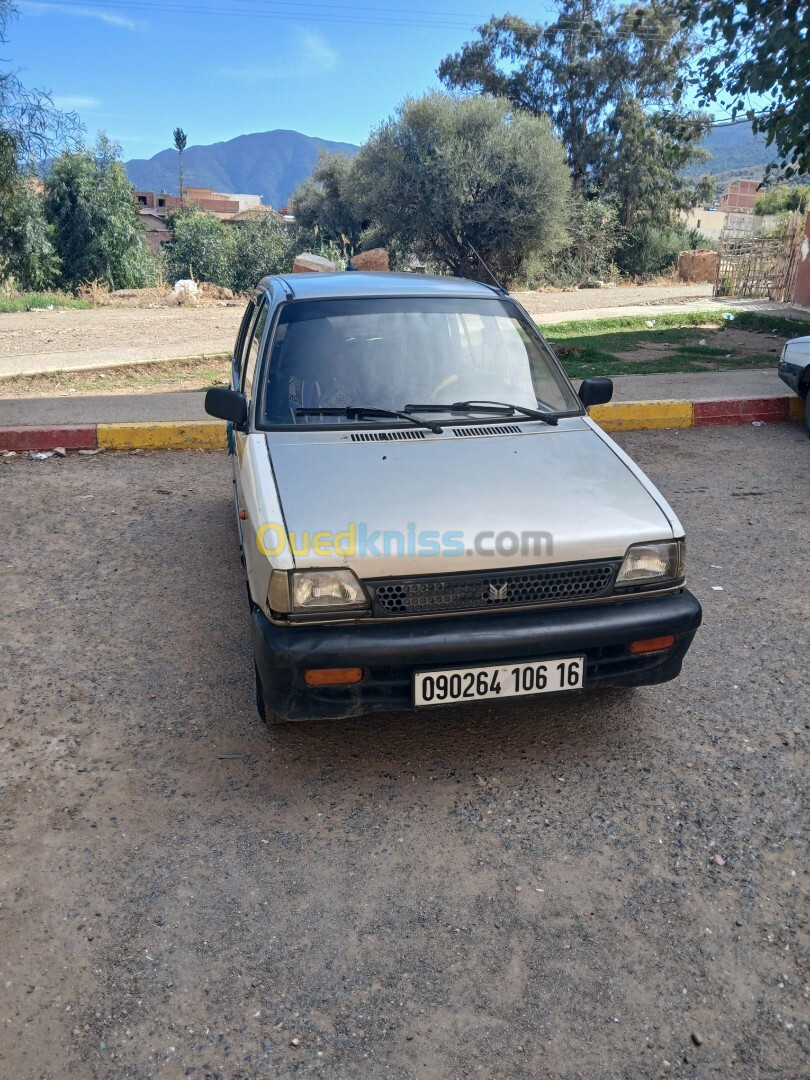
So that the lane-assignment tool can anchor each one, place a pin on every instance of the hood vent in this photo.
(479, 429)
(387, 436)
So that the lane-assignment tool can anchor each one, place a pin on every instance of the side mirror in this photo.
(597, 391)
(227, 404)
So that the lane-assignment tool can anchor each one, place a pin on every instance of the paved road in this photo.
(68, 340)
(189, 405)
(563, 889)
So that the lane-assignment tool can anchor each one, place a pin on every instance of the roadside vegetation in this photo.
(35, 301)
(689, 342)
(557, 154)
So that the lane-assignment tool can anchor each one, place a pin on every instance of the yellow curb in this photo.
(163, 435)
(636, 415)
(796, 408)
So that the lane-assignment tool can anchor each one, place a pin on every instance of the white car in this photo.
(426, 512)
(794, 369)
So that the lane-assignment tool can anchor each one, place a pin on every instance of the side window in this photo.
(252, 353)
(239, 348)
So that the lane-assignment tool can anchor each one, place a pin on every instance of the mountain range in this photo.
(272, 163)
(267, 163)
(736, 153)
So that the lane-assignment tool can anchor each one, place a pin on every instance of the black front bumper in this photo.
(390, 652)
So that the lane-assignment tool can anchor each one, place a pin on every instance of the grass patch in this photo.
(626, 345)
(159, 376)
(40, 300)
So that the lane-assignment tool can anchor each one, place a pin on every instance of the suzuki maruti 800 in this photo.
(427, 514)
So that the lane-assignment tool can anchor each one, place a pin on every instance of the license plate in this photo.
(503, 681)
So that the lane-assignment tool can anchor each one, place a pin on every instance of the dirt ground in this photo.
(603, 886)
(69, 339)
(538, 303)
(740, 342)
(191, 331)
(157, 376)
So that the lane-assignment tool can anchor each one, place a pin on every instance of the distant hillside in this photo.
(268, 163)
(737, 147)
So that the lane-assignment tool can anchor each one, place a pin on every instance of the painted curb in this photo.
(642, 415)
(210, 434)
(71, 436)
(163, 435)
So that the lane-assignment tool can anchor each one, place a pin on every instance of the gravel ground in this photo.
(606, 886)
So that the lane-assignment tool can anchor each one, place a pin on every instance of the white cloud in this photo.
(313, 56)
(42, 7)
(71, 102)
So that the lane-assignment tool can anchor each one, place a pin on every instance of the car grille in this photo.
(481, 591)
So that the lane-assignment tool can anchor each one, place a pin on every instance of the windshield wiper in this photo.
(502, 407)
(360, 412)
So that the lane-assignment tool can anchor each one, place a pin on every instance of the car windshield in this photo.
(388, 353)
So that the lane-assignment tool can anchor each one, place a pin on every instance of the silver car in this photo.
(427, 514)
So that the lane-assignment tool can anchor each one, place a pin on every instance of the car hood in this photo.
(446, 503)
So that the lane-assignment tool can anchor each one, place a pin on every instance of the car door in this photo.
(251, 349)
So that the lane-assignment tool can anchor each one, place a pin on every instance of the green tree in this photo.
(180, 140)
(445, 173)
(29, 121)
(260, 246)
(605, 76)
(756, 49)
(201, 248)
(325, 205)
(642, 174)
(27, 251)
(31, 128)
(782, 199)
(88, 201)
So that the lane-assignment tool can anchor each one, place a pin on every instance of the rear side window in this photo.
(253, 349)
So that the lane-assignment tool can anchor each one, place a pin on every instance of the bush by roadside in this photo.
(235, 255)
(33, 301)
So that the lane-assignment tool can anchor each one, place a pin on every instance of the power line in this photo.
(286, 11)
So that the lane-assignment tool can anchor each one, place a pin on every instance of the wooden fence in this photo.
(757, 260)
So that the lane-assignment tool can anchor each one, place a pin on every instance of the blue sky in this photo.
(220, 68)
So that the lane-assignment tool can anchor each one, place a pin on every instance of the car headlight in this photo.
(315, 590)
(644, 563)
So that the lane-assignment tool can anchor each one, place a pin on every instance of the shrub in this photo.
(201, 247)
(588, 257)
(651, 250)
(259, 246)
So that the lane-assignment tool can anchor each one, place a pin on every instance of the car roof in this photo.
(345, 285)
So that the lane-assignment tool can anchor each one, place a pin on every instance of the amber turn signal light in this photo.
(336, 676)
(651, 644)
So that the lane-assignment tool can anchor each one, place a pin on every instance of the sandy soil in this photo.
(611, 886)
(175, 331)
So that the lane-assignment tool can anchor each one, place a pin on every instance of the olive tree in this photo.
(324, 204)
(446, 173)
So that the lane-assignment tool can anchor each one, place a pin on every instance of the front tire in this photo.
(807, 412)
